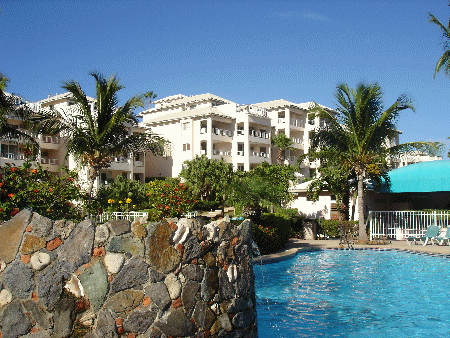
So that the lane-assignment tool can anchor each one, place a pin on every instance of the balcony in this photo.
(259, 157)
(121, 163)
(257, 136)
(222, 132)
(297, 123)
(49, 142)
(51, 161)
(297, 142)
(138, 163)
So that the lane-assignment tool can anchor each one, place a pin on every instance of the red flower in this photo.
(14, 169)
(178, 203)
(176, 189)
(51, 190)
(195, 201)
(70, 179)
(148, 194)
(1, 184)
(14, 212)
(34, 171)
(181, 185)
(1, 210)
(11, 195)
(167, 185)
(159, 206)
(35, 191)
(162, 195)
(167, 207)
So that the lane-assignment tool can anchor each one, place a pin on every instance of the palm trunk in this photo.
(362, 226)
(93, 174)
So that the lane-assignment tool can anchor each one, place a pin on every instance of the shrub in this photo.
(168, 198)
(271, 232)
(131, 193)
(46, 193)
(331, 227)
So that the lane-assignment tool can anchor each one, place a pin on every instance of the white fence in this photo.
(402, 224)
(131, 216)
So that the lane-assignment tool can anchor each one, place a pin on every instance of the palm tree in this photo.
(12, 106)
(149, 96)
(444, 61)
(283, 143)
(95, 135)
(360, 133)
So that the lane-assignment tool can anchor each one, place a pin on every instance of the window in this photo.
(240, 167)
(186, 146)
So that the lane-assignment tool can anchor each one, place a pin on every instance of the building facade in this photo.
(53, 151)
(209, 125)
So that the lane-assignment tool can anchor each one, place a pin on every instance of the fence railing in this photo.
(402, 224)
(131, 216)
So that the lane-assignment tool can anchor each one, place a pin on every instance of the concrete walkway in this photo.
(296, 245)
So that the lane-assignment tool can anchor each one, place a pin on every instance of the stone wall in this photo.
(164, 279)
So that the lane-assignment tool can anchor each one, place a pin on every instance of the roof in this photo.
(284, 103)
(176, 100)
(62, 96)
(429, 176)
(185, 114)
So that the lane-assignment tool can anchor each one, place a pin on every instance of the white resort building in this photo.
(53, 151)
(209, 125)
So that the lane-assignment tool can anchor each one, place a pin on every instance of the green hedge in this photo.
(331, 227)
(271, 232)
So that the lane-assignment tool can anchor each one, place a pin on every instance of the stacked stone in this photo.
(121, 279)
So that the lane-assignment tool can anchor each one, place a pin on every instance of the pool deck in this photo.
(295, 246)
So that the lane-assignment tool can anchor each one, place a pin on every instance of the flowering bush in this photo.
(271, 232)
(47, 193)
(169, 198)
(122, 195)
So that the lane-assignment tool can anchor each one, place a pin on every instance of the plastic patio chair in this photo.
(446, 237)
(431, 233)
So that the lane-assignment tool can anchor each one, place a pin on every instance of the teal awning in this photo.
(421, 177)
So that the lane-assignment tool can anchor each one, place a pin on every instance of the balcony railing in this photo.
(50, 139)
(297, 140)
(52, 161)
(138, 163)
(297, 123)
(260, 134)
(260, 154)
(222, 132)
(13, 156)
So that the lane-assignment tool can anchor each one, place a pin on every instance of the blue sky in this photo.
(244, 51)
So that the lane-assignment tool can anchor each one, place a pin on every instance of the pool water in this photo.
(336, 293)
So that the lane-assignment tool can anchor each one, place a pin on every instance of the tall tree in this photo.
(12, 106)
(444, 60)
(94, 135)
(283, 143)
(208, 178)
(149, 96)
(360, 133)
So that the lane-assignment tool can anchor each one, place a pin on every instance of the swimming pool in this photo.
(367, 293)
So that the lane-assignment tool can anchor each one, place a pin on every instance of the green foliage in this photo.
(265, 185)
(169, 198)
(271, 232)
(331, 227)
(95, 135)
(359, 135)
(283, 143)
(207, 205)
(207, 178)
(47, 193)
(122, 189)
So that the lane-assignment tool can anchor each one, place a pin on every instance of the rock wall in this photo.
(164, 279)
